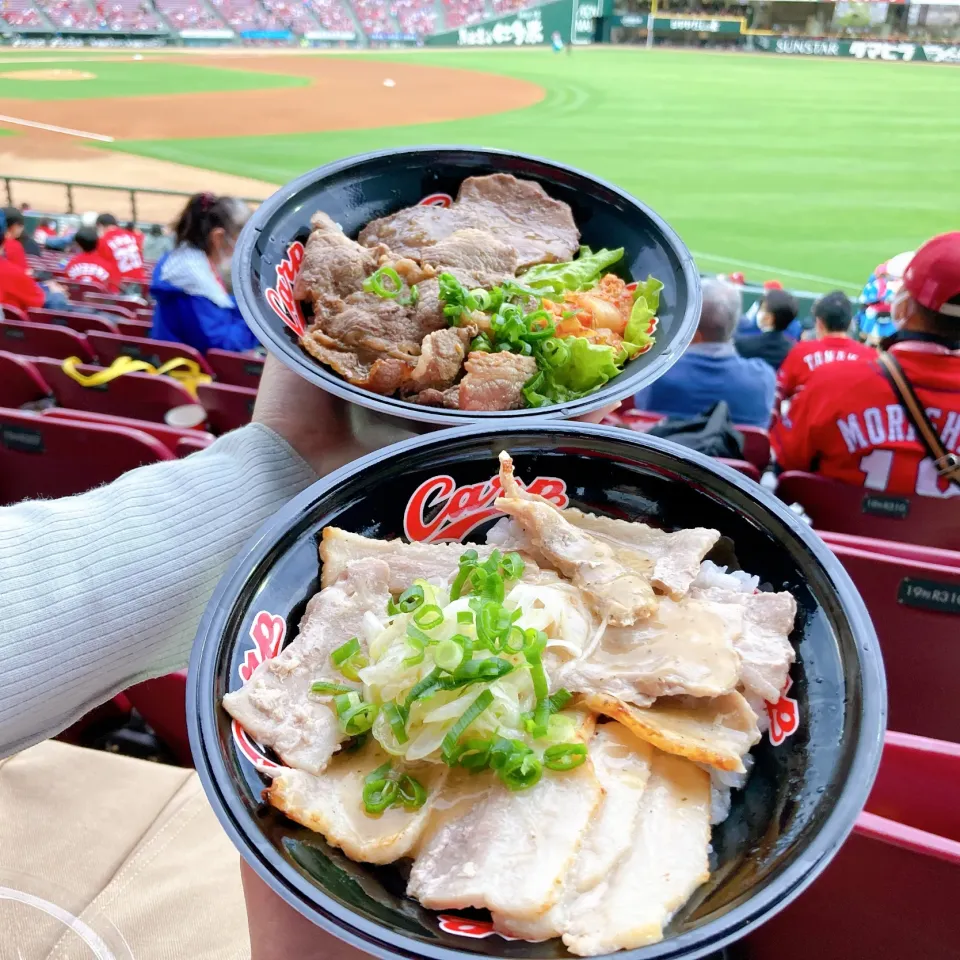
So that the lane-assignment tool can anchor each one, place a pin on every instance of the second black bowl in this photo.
(359, 189)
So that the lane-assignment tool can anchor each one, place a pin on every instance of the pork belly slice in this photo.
(441, 357)
(671, 561)
(434, 562)
(334, 266)
(717, 731)
(766, 653)
(617, 592)
(665, 863)
(331, 803)
(683, 648)
(622, 764)
(506, 851)
(275, 705)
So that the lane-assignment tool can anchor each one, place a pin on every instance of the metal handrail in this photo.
(71, 185)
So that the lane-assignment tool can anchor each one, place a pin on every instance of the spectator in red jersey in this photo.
(44, 231)
(89, 265)
(19, 289)
(848, 422)
(833, 314)
(122, 247)
(12, 247)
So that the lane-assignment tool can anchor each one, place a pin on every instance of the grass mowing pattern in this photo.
(818, 168)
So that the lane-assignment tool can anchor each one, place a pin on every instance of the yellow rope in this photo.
(185, 371)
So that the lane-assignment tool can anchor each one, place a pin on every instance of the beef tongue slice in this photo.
(518, 213)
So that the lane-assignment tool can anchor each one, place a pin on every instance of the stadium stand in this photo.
(22, 13)
(140, 396)
(415, 16)
(236, 369)
(81, 322)
(246, 15)
(109, 346)
(227, 407)
(458, 13)
(73, 14)
(294, 16)
(169, 436)
(43, 457)
(129, 15)
(331, 15)
(373, 16)
(20, 381)
(841, 508)
(44, 340)
(189, 15)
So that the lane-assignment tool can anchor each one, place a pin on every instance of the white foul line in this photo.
(53, 129)
(750, 265)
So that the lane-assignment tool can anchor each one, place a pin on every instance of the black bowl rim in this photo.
(313, 371)
(314, 904)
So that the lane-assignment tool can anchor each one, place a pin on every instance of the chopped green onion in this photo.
(346, 701)
(410, 599)
(464, 616)
(521, 771)
(359, 719)
(325, 686)
(381, 773)
(480, 344)
(449, 746)
(564, 756)
(541, 717)
(474, 754)
(514, 640)
(392, 608)
(344, 652)
(560, 727)
(375, 283)
(512, 566)
(448, 655)
(465, 644)
(418, 647)
(487, 669)
(468, 557)
(559, 700)
(428, 616)
(411, 299)
(379, 794)
(396, 717)
(419, 690)
(503, 749)
(412, 793)
(540, 326)
(350, 668)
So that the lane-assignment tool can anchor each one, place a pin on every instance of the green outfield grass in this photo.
(142, 78)
(813, 170)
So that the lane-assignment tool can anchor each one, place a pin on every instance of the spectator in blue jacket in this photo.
(191, 284)
(712, 370)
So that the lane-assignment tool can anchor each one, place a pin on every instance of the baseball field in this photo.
(807, 169)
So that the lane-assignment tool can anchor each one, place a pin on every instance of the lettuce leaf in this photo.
(638, 334)
(580, 274)
(582, 367)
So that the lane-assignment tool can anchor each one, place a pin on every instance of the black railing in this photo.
(71, 185)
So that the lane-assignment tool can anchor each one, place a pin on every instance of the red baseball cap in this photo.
(737, 278)
(772, 285)
(933, 276)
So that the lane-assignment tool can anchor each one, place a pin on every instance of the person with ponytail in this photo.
(191, 284)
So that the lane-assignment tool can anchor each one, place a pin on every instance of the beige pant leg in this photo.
(101, 854)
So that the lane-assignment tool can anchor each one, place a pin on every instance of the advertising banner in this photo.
(730, 25)
(330, 35)
(572, 19)
(860, 49)
(207, 34)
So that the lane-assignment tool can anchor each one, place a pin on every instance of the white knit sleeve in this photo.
(106, 589)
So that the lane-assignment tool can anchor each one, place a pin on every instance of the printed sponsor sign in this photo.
(808, 48)
(519, 32)
(881, 50)
(929, 594)
(330, 35)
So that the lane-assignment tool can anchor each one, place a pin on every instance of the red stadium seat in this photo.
(162, 703)
(110, 346)
(145, 314)
(842, 508)
(915, 607)
(20, 381)
(14, 313)
(227, 407)
(743, 466)
(113, 309)
(129, 303)
(893, 548)
(188, 445)
(44, 340)
(43, 457)
(134, 328)
(890, 893)
(140, 396)
(170, 437)
(78, 291)
(81, 322)
(237, 369)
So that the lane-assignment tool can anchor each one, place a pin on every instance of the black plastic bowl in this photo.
(360, 189)
(802, 797)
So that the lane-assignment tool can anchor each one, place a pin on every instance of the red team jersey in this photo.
(91, 266)
(848, 424)
(17, 288)
(14, 252)
(123, 248)
(807, 355)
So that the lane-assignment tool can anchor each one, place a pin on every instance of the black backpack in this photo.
(711, 433)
